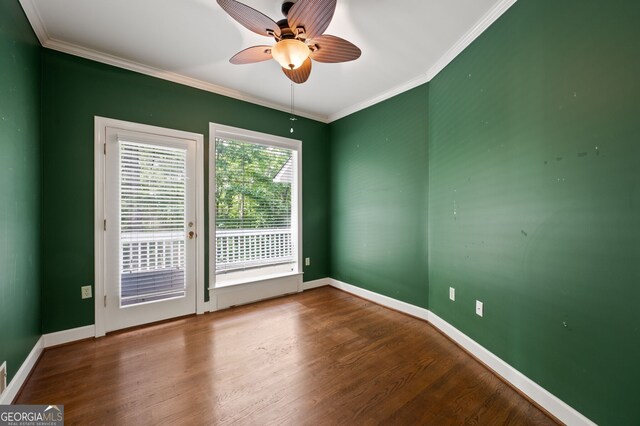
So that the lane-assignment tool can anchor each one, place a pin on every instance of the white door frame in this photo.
(101, 124)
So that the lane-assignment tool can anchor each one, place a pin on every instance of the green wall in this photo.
(74, 91)
(521, 157)
(533, 197)
(534, 139)
(19, 187)
(379, 188)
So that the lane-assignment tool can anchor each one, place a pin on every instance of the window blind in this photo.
(152, 222)
(254, 185)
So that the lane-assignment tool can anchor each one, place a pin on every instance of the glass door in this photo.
(150, 234)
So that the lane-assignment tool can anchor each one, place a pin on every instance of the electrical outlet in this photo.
(479, 308)
(452, 293)
(86, 292)
(307, 261)
(3, 377)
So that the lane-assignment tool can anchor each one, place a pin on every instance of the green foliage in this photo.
(246, 195)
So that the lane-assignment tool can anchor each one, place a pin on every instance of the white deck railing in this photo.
(153, 266)
(235, 249)
(152, 251)
(249, 248)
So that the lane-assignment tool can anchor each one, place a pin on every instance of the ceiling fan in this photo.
(298, 38)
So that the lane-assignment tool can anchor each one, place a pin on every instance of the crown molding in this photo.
(31, 11)
(40, 30)
(422, 79)
(485, 22)
(116, 61)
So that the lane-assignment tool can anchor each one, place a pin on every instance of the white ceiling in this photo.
(404, 44)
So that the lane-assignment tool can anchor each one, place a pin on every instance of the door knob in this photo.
(191, 235)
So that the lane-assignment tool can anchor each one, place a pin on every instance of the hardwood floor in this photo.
(319, 357)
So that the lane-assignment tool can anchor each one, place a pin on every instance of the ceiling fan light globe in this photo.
(290, 53)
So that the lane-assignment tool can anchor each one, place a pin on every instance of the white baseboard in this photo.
(68, 336)
(21, 375)
(316, 283)
(45, 341)
(537, 393)
(387, 301)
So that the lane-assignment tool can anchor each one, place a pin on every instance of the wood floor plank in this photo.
(319, 357)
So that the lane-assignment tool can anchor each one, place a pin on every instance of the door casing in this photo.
(100, 125)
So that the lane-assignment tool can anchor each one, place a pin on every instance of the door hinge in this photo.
(104, 225)
(105, 300)
(105, 148)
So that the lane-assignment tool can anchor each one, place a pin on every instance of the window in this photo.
(152, 217)
(256, 230)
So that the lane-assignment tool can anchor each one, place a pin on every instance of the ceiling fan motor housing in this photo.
(286, 32)
(286, 5)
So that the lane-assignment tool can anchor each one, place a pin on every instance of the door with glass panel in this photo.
(150, 199)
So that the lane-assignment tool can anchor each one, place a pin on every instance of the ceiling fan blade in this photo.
(251, 55)
(301, 74)
(314, 15)
(334, 49)
(250, 18)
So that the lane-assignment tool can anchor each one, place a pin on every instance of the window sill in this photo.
(252, 280)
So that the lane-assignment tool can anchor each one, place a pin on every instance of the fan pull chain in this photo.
(293, 117)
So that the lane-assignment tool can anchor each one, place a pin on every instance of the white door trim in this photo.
(100, 125)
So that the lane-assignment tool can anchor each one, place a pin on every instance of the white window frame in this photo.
(262, 287)
(100, 126)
